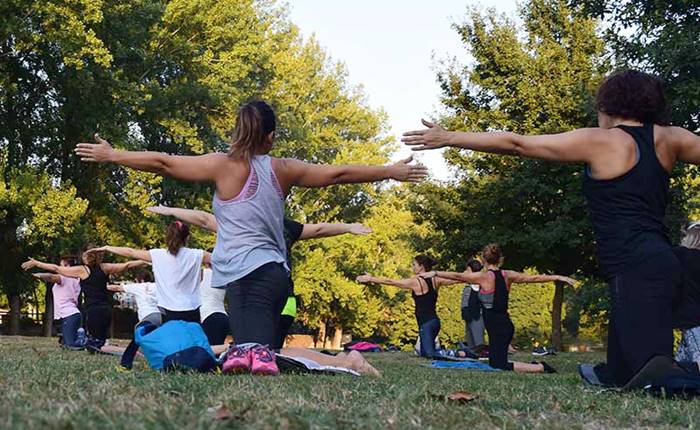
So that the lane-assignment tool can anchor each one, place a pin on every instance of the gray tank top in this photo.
(250, 227)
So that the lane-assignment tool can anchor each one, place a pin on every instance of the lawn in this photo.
(43, 387)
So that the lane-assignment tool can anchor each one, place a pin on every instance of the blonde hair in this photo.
(492, 254)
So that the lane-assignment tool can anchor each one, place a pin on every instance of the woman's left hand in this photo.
(99, 152)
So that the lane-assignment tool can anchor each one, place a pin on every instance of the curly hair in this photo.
(631, 94)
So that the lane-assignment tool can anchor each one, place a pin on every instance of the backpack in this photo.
(175, 345)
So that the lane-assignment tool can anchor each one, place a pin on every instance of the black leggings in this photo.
(255, 303)
(216, 326)
(500, 329)
(189, 316)
(98, 318)
(640, 325)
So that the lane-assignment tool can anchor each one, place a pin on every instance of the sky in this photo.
(390, 47)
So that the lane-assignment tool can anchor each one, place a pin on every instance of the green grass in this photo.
(42, 387)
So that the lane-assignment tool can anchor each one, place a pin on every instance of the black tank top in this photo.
(94, 287)
(501, 294)
(425, 303)
(628, 212)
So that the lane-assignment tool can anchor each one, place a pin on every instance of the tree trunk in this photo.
(48, 312)
(321, 337)
(557, 303)
(337, 338)
(15, 306)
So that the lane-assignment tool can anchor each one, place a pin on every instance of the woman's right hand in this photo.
(428, 275)
(29, 264)
(100, 249)
(570, 281)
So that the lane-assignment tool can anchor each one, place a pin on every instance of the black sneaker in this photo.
(547, 368)
(541, 351)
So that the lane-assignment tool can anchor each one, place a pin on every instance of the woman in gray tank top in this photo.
(249, 257)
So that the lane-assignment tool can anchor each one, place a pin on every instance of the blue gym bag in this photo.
(175, 345)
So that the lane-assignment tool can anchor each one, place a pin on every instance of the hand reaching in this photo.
(405, 172)
(359, 229)
(568, 280)
(428, 275)
(99, 152)
(29, 264)
(432, 137)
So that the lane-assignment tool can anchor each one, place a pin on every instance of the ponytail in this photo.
(255, 121)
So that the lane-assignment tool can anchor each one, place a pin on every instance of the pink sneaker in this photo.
(237, 360)
(263, 361)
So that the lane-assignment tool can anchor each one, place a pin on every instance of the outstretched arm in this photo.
(51, 278)
(187, 168)
(295, 172)
(71, 272)
(191, 216)
(522, 278)
(401, 283)
(315, 231)
(470, 278)
(114, 268)
(134, 254)
(687, 144)
(583, 145)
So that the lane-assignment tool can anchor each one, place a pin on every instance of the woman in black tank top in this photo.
(494, 289)
(424, 293)
(94, 277)
(628, 159)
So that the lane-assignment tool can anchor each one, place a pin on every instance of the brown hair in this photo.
(176, 236)
(91, 259)
(425, 261)
(255, 121)
(492, 254)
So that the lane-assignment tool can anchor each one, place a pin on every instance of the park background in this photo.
(169, 76)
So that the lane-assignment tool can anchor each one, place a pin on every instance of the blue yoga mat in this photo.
(466, 365)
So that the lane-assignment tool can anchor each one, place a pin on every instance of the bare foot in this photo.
(358, 363)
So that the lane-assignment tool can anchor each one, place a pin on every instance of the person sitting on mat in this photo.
(689, 347)
(249, 200)
(94, 277)
(177, 272)
(293, 232)
(494, 287)
(144, 291)
(65, 291)
(628, 160)
(425, 294)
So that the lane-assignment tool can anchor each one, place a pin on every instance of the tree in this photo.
(536, 80)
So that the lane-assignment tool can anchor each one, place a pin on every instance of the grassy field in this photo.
(42, 387)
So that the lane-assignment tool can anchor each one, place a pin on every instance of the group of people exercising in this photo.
(628, 159)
